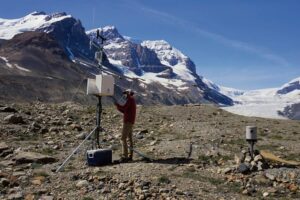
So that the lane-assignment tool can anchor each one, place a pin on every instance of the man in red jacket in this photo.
(129, 112)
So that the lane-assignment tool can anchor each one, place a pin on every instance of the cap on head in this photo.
(128, 91)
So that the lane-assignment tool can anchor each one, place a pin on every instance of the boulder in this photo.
(33, 157)
(4, 182)
(81, 136)
(14, 119)
(5, 149)
(3, 146)
(7, 109)
(243, 168)
(15, 196)
(82, 183)
(258, 158)
(46, 198)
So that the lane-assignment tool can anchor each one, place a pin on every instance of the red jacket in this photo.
(128, 109)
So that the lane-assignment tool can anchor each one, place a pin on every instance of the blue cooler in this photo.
(99, 157)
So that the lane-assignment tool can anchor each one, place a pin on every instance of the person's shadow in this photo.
(170, 161)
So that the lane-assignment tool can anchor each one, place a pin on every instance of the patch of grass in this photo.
(234, 187)
(270, 147)
(276, 137)
(204, 158)
(69, 167)
(238, 141)
(164, 130)
(220, 183)
(48, 151)
(27, 137)
(293, 156)
(207, 159)
(201, 178)
(36, 165)
(41, 173)
(87, 198)
(173, 168)
(164, 179)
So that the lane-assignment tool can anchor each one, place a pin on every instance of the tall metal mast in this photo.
(99, 58)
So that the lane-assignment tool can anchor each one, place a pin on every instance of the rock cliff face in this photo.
(33, 66)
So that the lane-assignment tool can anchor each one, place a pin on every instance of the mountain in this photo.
(34, 66)
(158, 62)
(67, 31)
(162, 74)
(293, 85)
(282, 102)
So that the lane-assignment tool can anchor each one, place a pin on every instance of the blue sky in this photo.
(236, 43)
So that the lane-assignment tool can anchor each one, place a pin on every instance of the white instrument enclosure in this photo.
(251, 133)
(103, 85)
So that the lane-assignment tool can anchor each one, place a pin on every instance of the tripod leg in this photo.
(98, 122)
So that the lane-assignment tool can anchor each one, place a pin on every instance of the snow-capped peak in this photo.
(108, 32)
(168, 55)
(172, 57)
(31, 22)
(293, 85)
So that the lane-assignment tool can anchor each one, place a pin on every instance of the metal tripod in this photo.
(96, 131)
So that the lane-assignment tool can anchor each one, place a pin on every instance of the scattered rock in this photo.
(265, 194)
(293, 187)
(3, 146)
(270, 176)
(246, 192)
(258, 158)
(32, 157)
(38, 180)
(76, 127)
(16, 196)
(53, 129)
(153, 143)
(81, 136)
(239, 158)
(35, 127)
(282, 148)
(248, 159)
(4, 182)
(163, 190)
(105, 190)
(82, 183)
(46, 198)
(227, 170)
(243, 168)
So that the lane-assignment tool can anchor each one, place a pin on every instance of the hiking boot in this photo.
(123, 160)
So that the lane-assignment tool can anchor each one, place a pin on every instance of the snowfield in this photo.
(267, 103)
(263, 103)
(36, 20)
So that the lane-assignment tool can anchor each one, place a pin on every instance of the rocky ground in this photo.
(36, 138)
